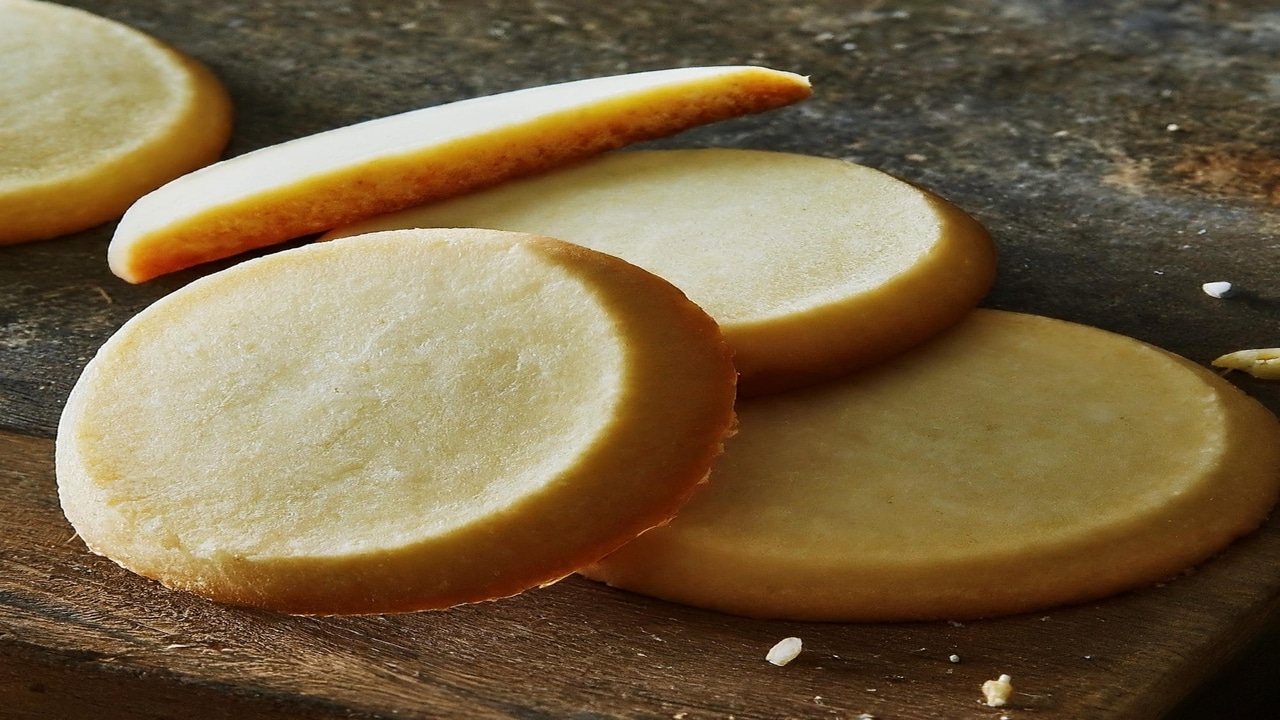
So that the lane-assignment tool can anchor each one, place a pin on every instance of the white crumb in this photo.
(785, 651)
(1218, 289)
(954, 658)
(997, 691)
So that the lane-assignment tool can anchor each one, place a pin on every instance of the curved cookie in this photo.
(318, 182)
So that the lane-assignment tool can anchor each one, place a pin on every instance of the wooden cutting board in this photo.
(80, 637)
(1117, 153)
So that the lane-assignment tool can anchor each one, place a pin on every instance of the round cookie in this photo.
(812, 267)
(1014, 463)
(402, 421)
(93, 115)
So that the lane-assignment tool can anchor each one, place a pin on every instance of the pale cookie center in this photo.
(72, 99)
(400, 407)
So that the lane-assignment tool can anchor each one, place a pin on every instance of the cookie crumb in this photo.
(997, 691)
(1262, 363)
(1217, 289)
(785, 651)
(954, 658)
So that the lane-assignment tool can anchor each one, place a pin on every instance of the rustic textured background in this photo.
(1122, 153)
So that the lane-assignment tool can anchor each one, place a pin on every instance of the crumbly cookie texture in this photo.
(813, 267)
(996, 693)
(93, 115)
(1016, 462)
(319, 182)
(401, 421)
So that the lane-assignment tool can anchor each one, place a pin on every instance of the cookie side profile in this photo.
(412, 421)
(812, 266)
(94, 115)
(1013, 464)
(319, 182)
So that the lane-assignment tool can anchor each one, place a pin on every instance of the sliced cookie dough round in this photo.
(403, 421)
(1012, 464)
(812, 266)
(93, 115)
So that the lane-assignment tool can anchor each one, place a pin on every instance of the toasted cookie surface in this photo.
(319, 182)
(411, 421)
(1014, 463)
(812, 266)
(93, 115)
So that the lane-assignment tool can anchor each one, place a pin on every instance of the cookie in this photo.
(813, 267)
(1013, 464)
(402, 421)
(93, 115)
(316, 183)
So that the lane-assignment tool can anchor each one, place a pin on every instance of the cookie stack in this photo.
(748, 381)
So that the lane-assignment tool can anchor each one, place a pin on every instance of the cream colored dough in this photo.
(319, 182)
(1012, 464)
(413, 420)
(812, 266)
(93, 115)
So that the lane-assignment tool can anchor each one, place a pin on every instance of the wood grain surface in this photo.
(80, 637)
(1121, 154)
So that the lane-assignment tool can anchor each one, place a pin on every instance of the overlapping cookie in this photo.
(1012, 464)
(813, 267)
(407, 420)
